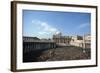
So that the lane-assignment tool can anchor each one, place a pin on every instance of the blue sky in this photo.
(43, 24)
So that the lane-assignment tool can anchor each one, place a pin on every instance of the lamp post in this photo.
(84, 44)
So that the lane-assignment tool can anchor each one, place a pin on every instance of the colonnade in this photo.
(31, 46)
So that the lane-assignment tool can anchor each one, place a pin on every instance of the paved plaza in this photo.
(58, 54)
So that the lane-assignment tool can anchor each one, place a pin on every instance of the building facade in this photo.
(81, 41)
(87, 41)
(61, 40)
(34, 43)
(77, 41)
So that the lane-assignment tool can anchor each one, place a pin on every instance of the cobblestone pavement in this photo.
(64, 53)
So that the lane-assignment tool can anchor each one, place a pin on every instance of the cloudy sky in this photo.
(43, 24)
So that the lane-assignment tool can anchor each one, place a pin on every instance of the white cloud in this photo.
(83, 25)
(42, 32)
(36, 22)
(45, 28)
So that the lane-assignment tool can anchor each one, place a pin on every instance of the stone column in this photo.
(84, 41)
